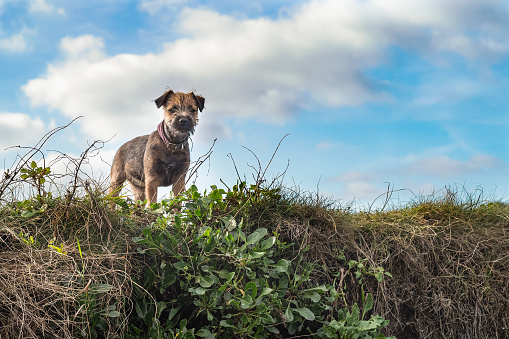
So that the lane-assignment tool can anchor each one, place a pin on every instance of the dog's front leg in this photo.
(151, 192)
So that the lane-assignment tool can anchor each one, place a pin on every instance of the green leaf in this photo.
(251, 289)
(292, 329)
(368, 305)
(216, 195)
(28, 214)
(223, 274)
(173, 318)
(265, 291)
(168, 281)
(250, 274)
(211, 244)
(305, 312)
(282, 265)
(246, 302)
(288, 314)
(183, 324)
(206, 281)
(354, 316)
(272, 329)
(224, 323)
(315, 297)
(141, 309)
(256, 255)
(204, 333)
(180, 265)
(100, 288)
(322, 288)
(160, 307)
(200, 291)
(33, 164)
(137, 239)
(256, 236)
(113, 314)
(268, 243)
(265, 317)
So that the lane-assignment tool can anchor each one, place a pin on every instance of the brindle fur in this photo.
(146, 163)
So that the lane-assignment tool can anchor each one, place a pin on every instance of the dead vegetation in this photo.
(448, 255)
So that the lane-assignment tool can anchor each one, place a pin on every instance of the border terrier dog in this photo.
(161, 158)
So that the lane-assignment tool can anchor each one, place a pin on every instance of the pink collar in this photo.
(172, 146)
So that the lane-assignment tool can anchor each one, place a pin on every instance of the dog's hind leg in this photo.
(116, 182)
(138, 191)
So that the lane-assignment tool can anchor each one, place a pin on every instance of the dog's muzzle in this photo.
(184, 123)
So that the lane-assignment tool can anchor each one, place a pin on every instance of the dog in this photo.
(161, 158)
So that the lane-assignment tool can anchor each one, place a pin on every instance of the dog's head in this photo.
(180, 112)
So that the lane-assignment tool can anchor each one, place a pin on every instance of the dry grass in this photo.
(54, 292)
(448, 255)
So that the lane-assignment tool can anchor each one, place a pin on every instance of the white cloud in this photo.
(354, 176)
(155, 7)
(44, 7)
(85, 47)
(419, 176)
(264, 68)
(362, 190)
(324, 145)
(443, 166)
(211, 128)
(439, 91)
(16, 43)
(18, 129)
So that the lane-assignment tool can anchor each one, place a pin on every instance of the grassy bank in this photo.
(251, 261)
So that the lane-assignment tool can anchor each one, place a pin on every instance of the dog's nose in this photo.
(183, 121)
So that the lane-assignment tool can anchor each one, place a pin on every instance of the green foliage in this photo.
(214, 276)
(26, 238)
(350, 324)
(37, 175)
(360, 269)
(57, 249)
(90, 309)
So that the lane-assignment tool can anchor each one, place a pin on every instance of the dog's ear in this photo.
(200, 101)
(163, 98)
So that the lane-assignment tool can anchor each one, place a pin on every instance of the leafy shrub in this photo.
(213, 276)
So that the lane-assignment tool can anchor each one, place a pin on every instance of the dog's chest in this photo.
(173, 167)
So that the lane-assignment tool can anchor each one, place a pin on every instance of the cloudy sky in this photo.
(407, 93)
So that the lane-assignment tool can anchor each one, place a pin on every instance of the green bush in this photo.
(211, 275)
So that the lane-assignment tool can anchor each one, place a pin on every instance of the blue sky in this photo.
(407, 93)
